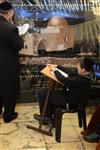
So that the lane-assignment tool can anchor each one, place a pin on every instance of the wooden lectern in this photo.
(47, 72)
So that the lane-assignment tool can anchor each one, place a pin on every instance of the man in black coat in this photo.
(75, 88)
(10, 45)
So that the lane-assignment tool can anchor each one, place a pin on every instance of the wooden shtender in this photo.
(47, 72)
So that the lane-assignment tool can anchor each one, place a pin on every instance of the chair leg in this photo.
(84, 120)
(58, 123)
(80, 118)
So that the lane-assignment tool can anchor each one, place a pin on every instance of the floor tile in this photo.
(16, 135)
(66, 146)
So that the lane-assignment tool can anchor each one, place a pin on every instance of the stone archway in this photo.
(41, 48)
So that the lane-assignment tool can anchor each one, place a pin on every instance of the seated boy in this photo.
(74, 88)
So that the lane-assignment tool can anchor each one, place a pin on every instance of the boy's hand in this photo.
(52, 65)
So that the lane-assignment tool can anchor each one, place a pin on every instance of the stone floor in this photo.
(16, 136)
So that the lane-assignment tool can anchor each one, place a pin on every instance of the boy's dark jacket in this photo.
(75, 86)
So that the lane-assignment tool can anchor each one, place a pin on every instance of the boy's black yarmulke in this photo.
(88, 62)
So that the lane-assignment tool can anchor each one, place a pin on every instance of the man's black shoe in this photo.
(92, 138)
(46, 120)
(11, 118)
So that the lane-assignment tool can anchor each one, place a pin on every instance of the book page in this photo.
(63, 73)
(23, 29)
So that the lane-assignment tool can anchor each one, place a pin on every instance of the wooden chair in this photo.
(81, 111)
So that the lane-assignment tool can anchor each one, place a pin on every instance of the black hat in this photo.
(5, 6)
(88, 64)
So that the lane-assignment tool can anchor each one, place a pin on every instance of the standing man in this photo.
(10, 45)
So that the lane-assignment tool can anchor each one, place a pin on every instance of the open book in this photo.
(63, 73)
(23, 29)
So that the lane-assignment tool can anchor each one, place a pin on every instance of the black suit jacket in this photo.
(10, 44)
